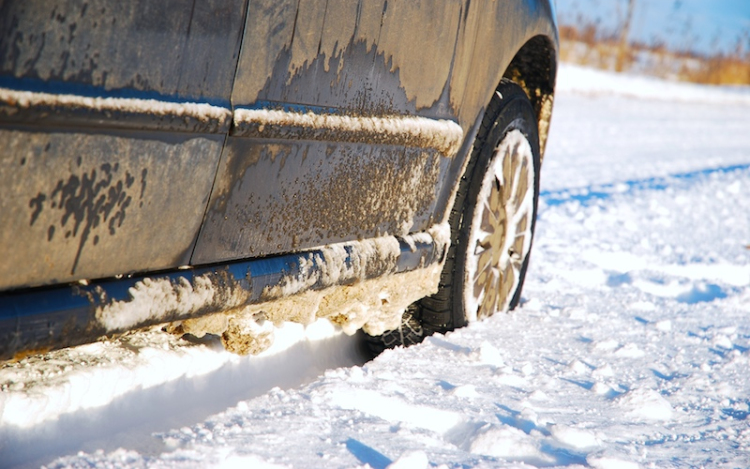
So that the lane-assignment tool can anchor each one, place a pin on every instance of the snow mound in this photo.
(411, 460)
(574, 438)
(646, 404)
(508, 443)
(611, 463)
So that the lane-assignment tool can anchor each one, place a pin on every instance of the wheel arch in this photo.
(534, 68)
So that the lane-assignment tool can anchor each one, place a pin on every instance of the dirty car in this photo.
(214, 166)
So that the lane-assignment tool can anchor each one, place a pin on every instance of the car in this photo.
(215, 167)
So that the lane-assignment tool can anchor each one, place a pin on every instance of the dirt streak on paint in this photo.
(93, 199)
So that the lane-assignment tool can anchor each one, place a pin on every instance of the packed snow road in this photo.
(631, 347)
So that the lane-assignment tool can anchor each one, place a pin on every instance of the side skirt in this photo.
(42, 319)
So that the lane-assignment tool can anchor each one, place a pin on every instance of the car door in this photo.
(112, 120)
(343, 125)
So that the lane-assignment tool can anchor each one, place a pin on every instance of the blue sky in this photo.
(699, 25)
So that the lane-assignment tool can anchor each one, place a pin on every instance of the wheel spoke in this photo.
(489, 220)
(495, 200)
(522, 186)
(485, 261)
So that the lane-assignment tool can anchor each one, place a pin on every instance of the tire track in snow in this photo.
(185, 396)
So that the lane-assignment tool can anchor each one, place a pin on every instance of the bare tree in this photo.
(624, 32)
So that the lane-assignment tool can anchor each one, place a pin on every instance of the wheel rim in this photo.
(500, 232)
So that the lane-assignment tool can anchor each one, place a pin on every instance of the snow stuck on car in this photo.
(630, 348)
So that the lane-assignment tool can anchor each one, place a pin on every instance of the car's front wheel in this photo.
(493, 218)
(492, 225)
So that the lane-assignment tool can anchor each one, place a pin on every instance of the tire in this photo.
(410, 332)
(485, 268)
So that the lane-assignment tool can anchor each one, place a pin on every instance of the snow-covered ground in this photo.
(631, 348)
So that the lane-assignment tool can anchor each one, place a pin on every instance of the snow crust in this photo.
(443, 135)
(154, 299)
(373, 304)
(200, 111)
(630, 348)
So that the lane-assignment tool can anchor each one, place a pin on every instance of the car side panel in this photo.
(338, 58)
(284, 196)
(94, 205)
(353, 56)
(434, 59)
(103, 178)
(491, 33)
(141, 48)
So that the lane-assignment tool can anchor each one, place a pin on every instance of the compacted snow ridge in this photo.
(631, 347)
(116, 393)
